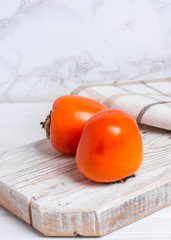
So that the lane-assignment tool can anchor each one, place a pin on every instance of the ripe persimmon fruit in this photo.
(110, 148)
(66, 121)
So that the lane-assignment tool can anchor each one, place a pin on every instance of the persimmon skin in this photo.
(110, 147)
(68, 118)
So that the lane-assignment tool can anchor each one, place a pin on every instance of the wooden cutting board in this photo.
(45, 189)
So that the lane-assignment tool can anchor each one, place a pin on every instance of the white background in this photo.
(49, 47)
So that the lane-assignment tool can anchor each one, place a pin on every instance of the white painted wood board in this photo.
(45, 189)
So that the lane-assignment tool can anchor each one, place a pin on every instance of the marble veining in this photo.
(49, 47)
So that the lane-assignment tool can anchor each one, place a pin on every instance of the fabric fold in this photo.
(148, 102)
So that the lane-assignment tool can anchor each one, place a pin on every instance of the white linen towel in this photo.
(148, 102)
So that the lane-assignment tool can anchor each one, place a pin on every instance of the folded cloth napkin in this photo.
(148, 102)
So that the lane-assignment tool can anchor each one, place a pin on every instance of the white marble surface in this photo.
(19, 125)
(49, 47)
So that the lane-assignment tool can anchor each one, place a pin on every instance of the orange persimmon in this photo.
(66, 121)
(110, 148)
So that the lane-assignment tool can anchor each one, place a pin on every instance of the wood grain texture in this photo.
(45, 189)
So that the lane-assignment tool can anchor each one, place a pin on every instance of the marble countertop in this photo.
(49, 47)
(19, 125)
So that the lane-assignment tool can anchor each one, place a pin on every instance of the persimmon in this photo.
(110, 148)
(66, 121)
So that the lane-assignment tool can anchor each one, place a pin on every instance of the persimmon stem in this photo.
(122, 180)
(46, 124)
